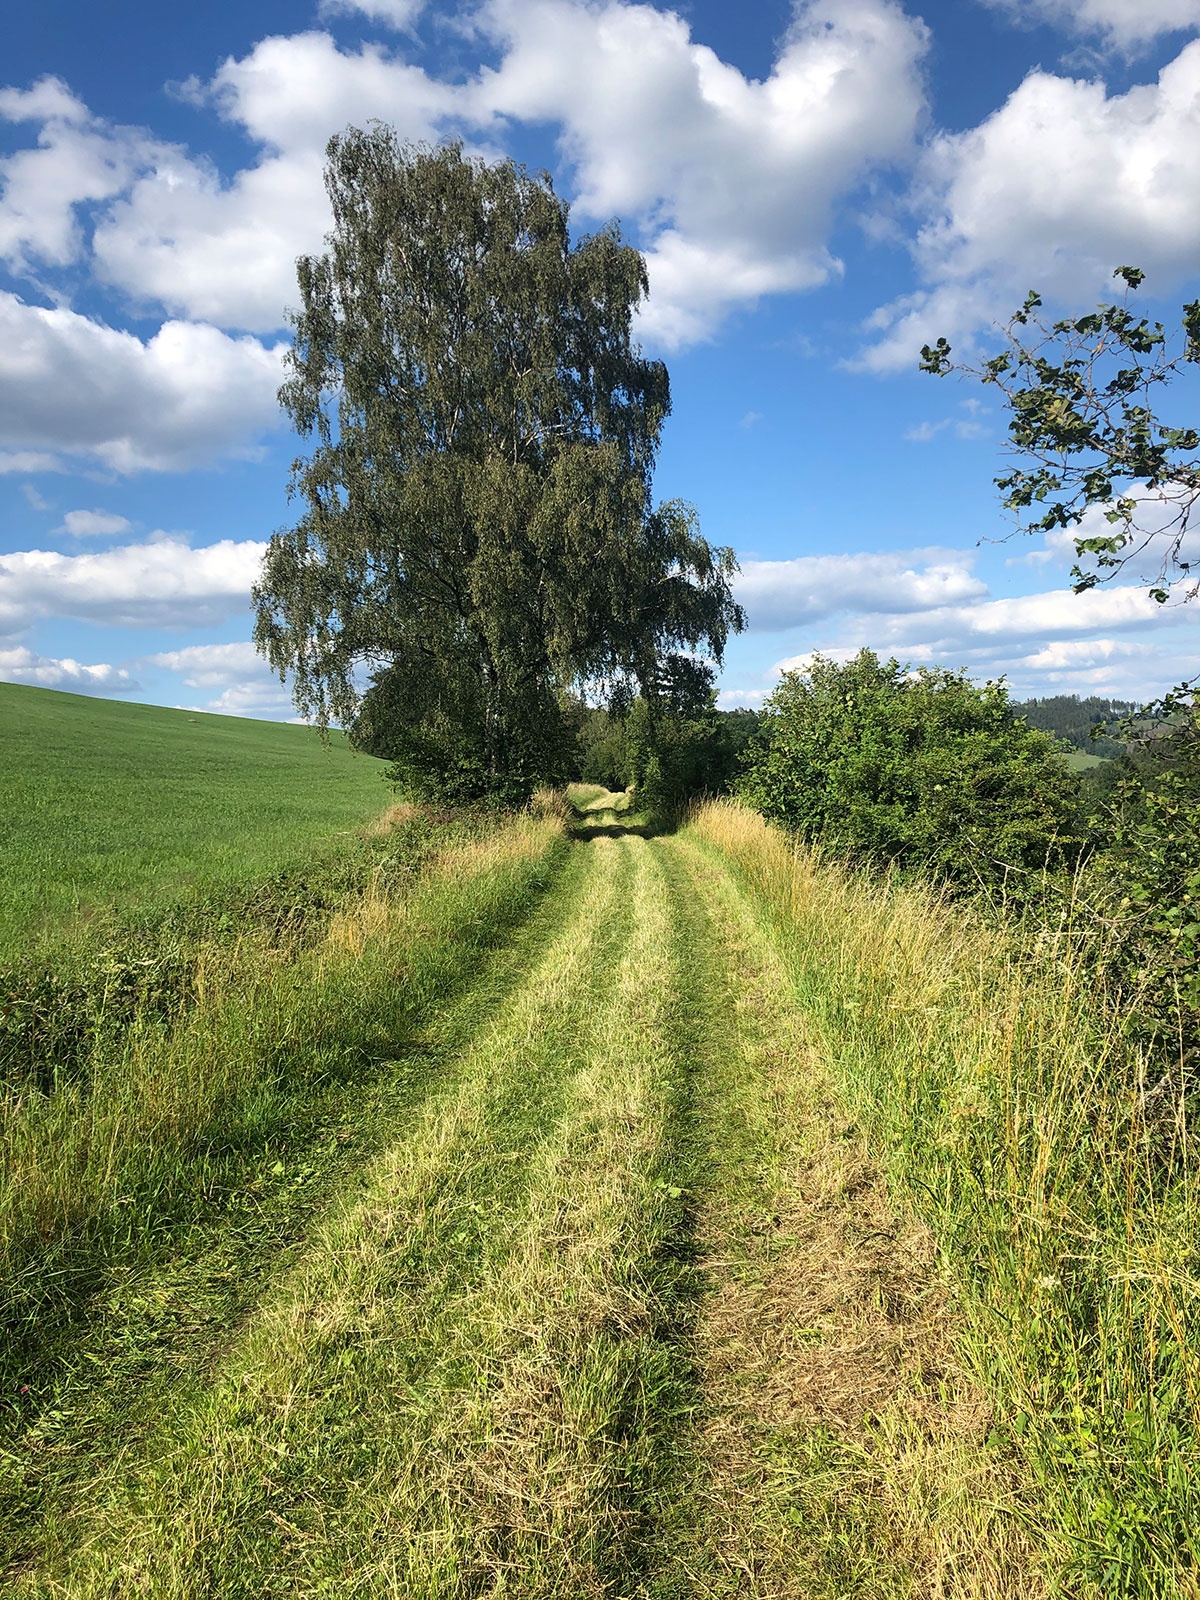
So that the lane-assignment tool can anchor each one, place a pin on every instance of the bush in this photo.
(922, 770)
(1150, 871)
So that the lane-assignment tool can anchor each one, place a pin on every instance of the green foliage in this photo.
(1152, 868)
(58, 1007)
(925, 770)
(1079, 394)
(136, 807)
(477, 525)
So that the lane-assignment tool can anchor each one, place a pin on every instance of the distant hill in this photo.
(1071, 718)
(106, 804)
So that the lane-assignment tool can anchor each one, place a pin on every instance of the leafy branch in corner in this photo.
(1080, 394)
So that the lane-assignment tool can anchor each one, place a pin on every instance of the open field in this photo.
(111, 805)
(602, 1215)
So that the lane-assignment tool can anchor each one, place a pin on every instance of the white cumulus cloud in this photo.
(248, 687)
(72, 385)
(78, 161)
(1125, 24)
(94, 524)
(206, 666)
(734, 181)
(784, 594)
(20, 665)
(163, 584)
(1060, 185)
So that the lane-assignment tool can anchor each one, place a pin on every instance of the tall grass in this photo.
(1055, 1170)
(101, 1163)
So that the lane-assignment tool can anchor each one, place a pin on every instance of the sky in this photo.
(818, 187)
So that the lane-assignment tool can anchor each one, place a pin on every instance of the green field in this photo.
(109, 805)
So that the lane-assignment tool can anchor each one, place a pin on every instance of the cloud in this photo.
(225, 251)
(1125, 24)
(248, 687)
(964, 428)
(733, 181)
(93, 524)
(1056, 188)
(208, 666)
(164, 584)
(1075, 653)
(20, 665)
(166, 227)
(1048, 615)
(28, 461)
(180, 399)
(399, 14)
(784, 594)
(79, 161)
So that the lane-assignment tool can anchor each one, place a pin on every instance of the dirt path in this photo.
(612, 1303)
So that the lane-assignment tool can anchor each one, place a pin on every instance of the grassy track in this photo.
(596, 1287)
(107, 805)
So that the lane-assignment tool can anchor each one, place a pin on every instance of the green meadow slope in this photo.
(105, 805)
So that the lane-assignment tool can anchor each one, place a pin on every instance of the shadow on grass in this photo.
(586, 831)
(615, 821)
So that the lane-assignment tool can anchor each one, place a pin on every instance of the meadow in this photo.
(108, 806)
(569, 1208)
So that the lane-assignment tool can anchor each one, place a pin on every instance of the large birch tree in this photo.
(476, 526)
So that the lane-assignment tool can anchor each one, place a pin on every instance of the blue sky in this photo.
(819, 187)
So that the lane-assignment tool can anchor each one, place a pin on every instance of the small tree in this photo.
(477, 528)
(926, 770)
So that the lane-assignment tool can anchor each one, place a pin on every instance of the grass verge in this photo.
(1061, 1194)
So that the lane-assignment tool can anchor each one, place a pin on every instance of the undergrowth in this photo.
(59, 1003)
(1051, 1157)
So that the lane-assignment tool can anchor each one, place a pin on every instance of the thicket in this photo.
(932, 774)
(920, 770)
(669, 756)
(61, 1004)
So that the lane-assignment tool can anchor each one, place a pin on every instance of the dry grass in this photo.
(843, 1446)
(1006, 1113)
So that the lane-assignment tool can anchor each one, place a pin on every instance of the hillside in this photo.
(113, 805)
(1069, 717)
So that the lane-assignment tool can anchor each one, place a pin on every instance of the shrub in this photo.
(920, 769)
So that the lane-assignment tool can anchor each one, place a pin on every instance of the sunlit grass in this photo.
(1003, 1103)
(108, 806)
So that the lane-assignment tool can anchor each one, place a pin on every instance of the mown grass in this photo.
(148, 1267)
(1055, 1173)
(447, 1389)
(107, 805)
(100, 1164)
(588, 1214)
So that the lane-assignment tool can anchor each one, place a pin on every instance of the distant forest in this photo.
(1073, 719)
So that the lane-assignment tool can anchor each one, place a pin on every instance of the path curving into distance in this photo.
(610, 1302)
